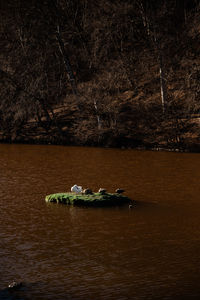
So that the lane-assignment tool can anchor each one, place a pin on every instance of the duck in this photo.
(119, 191)
(102, 191)
(87, 192)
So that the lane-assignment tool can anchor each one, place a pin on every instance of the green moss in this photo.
(95, 199)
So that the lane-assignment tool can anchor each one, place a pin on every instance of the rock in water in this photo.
(15, 285)
(95, 199)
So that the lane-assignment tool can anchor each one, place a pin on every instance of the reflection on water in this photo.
(61, 252)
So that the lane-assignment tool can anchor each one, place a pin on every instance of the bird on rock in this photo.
(119, 191)
(87, 192)
(102, 191)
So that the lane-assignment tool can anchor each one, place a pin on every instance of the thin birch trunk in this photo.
(97, 114)
(162, 83)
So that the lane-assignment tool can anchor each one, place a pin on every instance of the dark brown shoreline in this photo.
(186, 148)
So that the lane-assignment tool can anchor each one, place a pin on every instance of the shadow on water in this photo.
(145, 205)
(132, 206)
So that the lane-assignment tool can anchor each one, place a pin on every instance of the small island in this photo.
(93, 199)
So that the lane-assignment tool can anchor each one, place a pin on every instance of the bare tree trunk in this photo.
(150, 26)
(66, 61)
(98, 116)
(163, 90)
(53, 5)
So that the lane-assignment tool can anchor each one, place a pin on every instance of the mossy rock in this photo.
(96, 199)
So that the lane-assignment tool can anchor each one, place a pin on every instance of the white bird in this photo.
(76, 189)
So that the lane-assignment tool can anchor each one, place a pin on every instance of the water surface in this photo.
(61, 252)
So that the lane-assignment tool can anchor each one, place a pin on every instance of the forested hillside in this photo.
(109, 73)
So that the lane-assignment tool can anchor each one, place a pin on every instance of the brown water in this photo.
(60, 252)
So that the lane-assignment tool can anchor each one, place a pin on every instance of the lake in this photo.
(63, 252)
